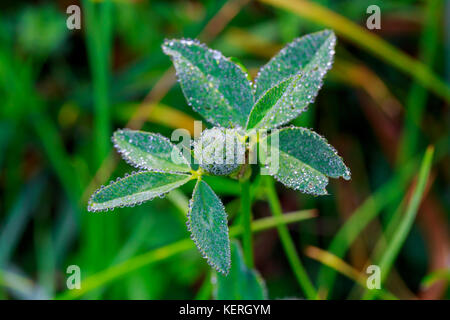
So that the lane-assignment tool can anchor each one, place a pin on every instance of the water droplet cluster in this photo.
(220, 151)
(134, 189)
(220, 90)
(291, 80)
(207, 223)
(151, 151)
(213, 85)
(306, 160)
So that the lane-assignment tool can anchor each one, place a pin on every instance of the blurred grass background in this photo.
(63, 92)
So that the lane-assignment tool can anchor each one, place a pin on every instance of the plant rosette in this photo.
(222, 93)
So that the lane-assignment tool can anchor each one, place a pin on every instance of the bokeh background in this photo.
(63, 92)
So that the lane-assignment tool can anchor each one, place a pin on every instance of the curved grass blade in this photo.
(306, 160)
(433, 277)
(213, 85)
(369, 41)
(207, 222)
(361, 217)
(135, 188)
(400, 232)
(343, 268)
(291, 80)
(146, 150)
(241, 283)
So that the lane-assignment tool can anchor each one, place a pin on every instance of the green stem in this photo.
(246, 221)
(288, 245)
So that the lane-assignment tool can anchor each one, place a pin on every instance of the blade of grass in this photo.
(417, 96)
(371, 208)
(19, 81)
(157, 113)
(399, 237)
(16, 220)
(54, 148)
(288, 245)
(98, 37)
(366, 40)
(361, 217)
(112, 273)
(102, 230)
(344, 70)
(343, 268)
(435, 276)
(16, 282)
(45, 259)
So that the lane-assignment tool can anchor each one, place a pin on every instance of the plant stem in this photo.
(246, 221)
(288, 245)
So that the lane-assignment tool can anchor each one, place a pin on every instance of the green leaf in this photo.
(241, 283)
(207, 222)
(135, 188)
(305, 160)
(150, 151)
(213, 85)
(291, 80)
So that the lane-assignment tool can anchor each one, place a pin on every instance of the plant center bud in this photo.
(220, 151)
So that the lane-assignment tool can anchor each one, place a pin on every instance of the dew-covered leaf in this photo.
(241, 283)
(213, 85)
(135, 188)
(306, 160)
(207, 222)
(146, 150)
(291, 80)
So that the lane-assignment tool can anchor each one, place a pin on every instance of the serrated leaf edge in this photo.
(322, 138)
(300, 73)
(284, 48)
(127, 175)
(128, 159)
(230, 107)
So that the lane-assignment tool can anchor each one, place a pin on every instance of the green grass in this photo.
(62, 94)
(288, 245)
(114, 272)
(367, 41)
(102, 233)
(400, 231)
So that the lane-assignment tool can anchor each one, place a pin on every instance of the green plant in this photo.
(221, 91)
